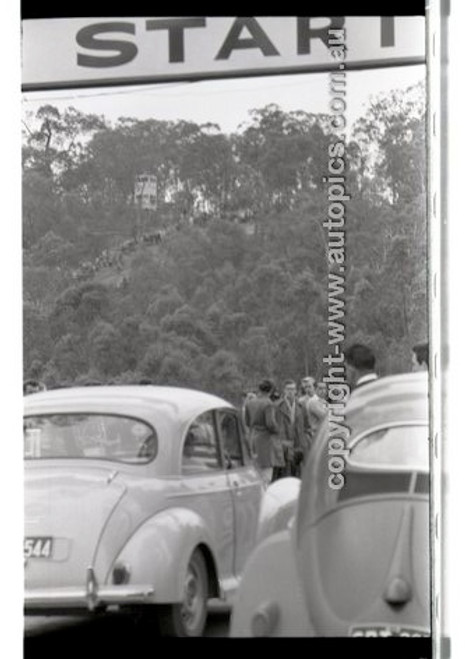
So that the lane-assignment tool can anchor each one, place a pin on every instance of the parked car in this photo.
(138, 497)
(355, 559)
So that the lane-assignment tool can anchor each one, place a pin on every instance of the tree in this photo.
(224, 375)
(288, 149)
(77, 308)
(69, 358)
(256, 354)
(40, 207)
(106, 349)
(186, 323)
(52, 250)
(392, 135)
(56, 142)
(213, 304)
(207, 167)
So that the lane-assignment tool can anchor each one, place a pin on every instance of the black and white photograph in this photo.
(226, 331)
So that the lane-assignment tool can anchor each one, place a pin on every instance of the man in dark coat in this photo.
(260, 418)
(420, 357)
(291, 418)
(360, 365)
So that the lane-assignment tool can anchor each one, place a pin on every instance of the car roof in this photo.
(391, 399)
(150, 402)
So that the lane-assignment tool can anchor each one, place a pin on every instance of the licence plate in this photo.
(385, 631)
(38, 547)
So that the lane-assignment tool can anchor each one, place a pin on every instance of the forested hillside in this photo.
(225, 281)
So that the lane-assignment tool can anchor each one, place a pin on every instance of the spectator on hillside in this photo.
(33, 387)
(420, 357)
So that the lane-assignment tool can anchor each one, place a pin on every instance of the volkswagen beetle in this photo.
(354, 560)
(136, 497)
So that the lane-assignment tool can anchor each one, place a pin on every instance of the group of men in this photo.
(282, 428)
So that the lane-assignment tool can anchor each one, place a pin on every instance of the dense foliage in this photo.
(225, 280)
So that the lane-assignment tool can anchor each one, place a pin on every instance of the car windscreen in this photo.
(89, 436)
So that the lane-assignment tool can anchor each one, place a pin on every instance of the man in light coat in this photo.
(315, 411)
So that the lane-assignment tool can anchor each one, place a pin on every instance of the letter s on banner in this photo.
(86, 39)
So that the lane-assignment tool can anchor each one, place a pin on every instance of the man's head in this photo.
(289, 390)
(420, 357)
(248, 395)
(321, 390)
(32, 387)
(265, 387)
(308, 385)
(360, 360)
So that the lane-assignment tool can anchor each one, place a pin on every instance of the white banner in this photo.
(83, 52)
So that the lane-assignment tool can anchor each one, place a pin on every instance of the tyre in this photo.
(189, 616)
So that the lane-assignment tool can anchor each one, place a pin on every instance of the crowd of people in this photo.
(33, 387)
(282, 426)
(114, 258)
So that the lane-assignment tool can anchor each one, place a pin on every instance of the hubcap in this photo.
(193, 603)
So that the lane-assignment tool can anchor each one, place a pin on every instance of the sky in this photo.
(227, 102)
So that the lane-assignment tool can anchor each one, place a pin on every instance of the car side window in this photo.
(200, 451)
(230, 438)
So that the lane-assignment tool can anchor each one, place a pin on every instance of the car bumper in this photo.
(88, 596)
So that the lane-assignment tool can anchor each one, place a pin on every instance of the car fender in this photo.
(278, 506)
(159, 551)
(275, 606)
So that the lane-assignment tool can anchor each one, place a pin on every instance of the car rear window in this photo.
(388, 461)
(396, 447)
(89, 436)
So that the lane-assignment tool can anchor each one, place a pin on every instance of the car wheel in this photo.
(188, 618)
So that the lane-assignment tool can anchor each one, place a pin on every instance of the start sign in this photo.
(80, 52)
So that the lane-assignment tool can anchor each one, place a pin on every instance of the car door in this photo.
(246, 485)
(206, 488)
